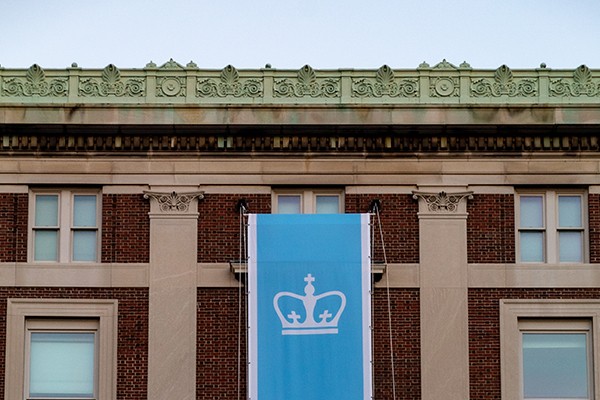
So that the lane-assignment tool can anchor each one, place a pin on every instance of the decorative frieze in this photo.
(582, 84)
(111, 84)
(426, 85)
(173, 202)
(385, 84)
(35, 83)
(306, 84)
(503, 84)
(229, 84)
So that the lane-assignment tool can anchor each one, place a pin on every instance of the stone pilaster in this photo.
(172, 308)
(443, 281)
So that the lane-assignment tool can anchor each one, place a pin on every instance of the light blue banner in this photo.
(309, 307)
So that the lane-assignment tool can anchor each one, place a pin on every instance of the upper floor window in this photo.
(307, 202)
(551, 227)
(547, 348)
(557, 359)
(61, 349)
(64, 226)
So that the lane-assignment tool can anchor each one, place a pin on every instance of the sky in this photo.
(326, 34)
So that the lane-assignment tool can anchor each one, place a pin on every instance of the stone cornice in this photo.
(173, 83)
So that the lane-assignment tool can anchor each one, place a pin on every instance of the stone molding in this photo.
(442, 203)
(173, 83)
(515, 143)
(173, 203)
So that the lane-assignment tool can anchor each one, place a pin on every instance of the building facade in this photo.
(123, 196)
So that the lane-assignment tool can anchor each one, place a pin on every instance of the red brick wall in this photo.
(125, 228)
(132, 347)
(399, 222)
(406, 337)
(491, 229)
(484, 332)
(219, 224)
(217, 357)
(594, 225)
(13, 227)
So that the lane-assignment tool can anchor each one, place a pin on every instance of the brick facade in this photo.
(125, 228)
(132, 348)
(219, 224)
(594, 226)
(13, 227)
(484, 332)
(406, 335)
(491, 228)
(399, 221)
(218, 344)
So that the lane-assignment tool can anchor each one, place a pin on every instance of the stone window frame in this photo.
(20, 311)
(308, 198)
(550, 219)
(65, 220)
(514, 314)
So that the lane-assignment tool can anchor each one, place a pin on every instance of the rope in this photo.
(389, 307)
(239, 358)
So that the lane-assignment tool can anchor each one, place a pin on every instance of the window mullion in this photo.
(64, 251)
(308, 202)
(551, 224)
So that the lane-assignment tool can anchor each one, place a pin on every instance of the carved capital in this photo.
(173, 202)
(442, 202)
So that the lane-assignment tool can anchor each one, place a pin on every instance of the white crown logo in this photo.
(328, 323)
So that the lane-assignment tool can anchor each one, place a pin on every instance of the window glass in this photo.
(571, 245)
(46, 210)
(65, 226)
(84, 211)
(569, 211)
(555, 365)
(532, 212)
(289, 204)
(46, 245)
(328, 204)
(61, 365)
(84, 246)
(532, 246)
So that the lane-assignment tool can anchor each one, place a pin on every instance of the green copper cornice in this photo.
(173, 83)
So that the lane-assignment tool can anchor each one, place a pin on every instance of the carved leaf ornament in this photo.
(385, 85)
(581, 85)
(306, 84)
(442, 202)
(229, 84)
(35, 84)
(111, 84)
(503, 85)
(173, 202)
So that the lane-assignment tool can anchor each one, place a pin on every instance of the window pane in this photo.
(570, 246)
(328, 204)
(569, 211)
(84, 245)
(46, 210)
(84, 210)
(555, 365)
(61, 365)
(532, 246)
(45, 245)
(532, 212)
(289, 204)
